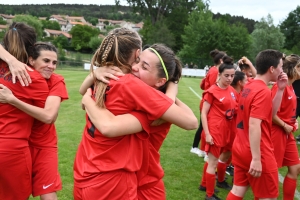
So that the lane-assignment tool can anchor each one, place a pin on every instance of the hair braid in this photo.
(116, 49)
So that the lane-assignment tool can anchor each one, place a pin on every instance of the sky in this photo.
(252, 9)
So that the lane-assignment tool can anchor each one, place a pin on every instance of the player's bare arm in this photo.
(17, 68)
(255, 169)
(281, 83)
(48, 114)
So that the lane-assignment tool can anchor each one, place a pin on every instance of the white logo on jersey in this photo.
(222, 99)
(232, 95)
(290, 97)
(46, 186)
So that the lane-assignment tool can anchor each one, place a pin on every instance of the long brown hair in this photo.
(116, 49)
(19, 41)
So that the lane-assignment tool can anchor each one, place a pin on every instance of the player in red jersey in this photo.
(284, 124)
(209, 80)
(150, 184)
(252, 152)
(15, 126)
(102, 168)
(218, 110)
(43, 139)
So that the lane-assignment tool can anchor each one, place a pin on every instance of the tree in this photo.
(81, 36)
(198, 34)
(203, 34)
(2, 21)
(290, 27)
(157, 9)
(61, 41)
(31, 21)
(95, 43)
(266, 36)
(159, 33)
(53, 25)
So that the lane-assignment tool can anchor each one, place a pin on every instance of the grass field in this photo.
(182, 169)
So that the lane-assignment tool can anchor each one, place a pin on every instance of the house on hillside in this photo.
(56, 33)
(67, 22)
(7, 18)
(102, 23)
(3, 27)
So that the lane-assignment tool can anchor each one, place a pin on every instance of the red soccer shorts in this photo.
(15, 174)
(285, 147)
(155, 192)
(265, 186)
(45, 175)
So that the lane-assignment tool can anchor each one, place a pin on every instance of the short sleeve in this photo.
(260, 102)
(57, 87)
(141, 97)
(143, 119)
(208, 97)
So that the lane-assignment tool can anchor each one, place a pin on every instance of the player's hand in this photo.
(6, 94)
(209, 140)
(106, 73)
(282, 81)
(255, 168)
(287, 128)
(296, 126)
(88, 94)
(19, 71)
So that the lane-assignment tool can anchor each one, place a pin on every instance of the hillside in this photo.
(89, 12)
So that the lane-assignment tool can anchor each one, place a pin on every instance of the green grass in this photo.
(182, 169)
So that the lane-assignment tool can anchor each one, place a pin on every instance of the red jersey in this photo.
(15, 125)
(287, 109)
(210, 78)
(44, 135)
(151, 171)
(223, 103)
(255, 101)
(102, 154)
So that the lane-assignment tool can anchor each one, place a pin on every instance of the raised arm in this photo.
(17, 68)
(103, 74)
(281, 84)
(48, 114)
(107, 123)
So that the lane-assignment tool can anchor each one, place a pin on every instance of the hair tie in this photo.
(14, 29)
(161, 61)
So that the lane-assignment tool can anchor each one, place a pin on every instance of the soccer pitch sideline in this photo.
(183, 170)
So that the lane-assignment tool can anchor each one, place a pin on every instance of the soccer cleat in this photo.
(202, 188)
(195, 150)
(229, 170)
(224, 185)
(202, 154)
(213, 197)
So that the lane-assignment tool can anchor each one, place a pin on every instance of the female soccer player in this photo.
(43, 139)
(15, 126)
(283, 126)
(106, 168)
(150, 184)
(209, 80)
(217, 114)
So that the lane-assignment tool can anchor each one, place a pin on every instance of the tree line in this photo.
(189, 27)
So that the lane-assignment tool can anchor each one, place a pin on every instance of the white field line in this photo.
(281, 178)
(195, 93)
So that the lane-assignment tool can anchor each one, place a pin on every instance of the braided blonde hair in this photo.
(115, 50)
